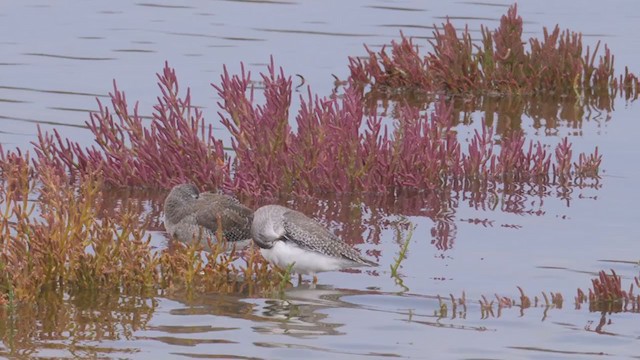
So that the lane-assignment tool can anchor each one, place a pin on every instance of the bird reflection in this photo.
(299, 314)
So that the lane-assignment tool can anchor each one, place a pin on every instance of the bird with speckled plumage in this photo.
(191, 215)
(286, 237)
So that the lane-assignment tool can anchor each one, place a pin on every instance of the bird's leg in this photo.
(299, 279)
(314, 282)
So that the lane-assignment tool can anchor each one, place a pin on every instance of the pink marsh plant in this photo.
(336, 148)
(500, 64)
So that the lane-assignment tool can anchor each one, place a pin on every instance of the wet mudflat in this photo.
(464, 256)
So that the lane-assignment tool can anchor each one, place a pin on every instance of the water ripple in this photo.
(70, 57)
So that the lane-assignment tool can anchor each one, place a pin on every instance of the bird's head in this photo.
(185, 192)
(267, 227)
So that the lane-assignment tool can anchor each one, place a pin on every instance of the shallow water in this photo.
(59, 57)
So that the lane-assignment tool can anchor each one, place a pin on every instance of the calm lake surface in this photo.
(59, 56)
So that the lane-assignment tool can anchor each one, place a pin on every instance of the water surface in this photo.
(59, 57)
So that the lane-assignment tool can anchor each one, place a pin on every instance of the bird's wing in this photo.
(310, 235)
(234, 217)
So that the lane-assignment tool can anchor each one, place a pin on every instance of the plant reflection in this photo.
(74, 321)
(361, 218)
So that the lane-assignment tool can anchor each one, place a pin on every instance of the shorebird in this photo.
(289, 238)
(190, 215)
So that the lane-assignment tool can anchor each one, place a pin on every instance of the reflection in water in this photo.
(146, 202)
(75, 323)
(362, 218)
(508, 112)
(107, 324)
(365, 217)
(300, 313)
(548, 113)
(297, 314)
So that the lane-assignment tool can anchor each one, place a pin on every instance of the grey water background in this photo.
(57, 57)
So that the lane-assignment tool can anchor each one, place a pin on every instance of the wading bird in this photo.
(289, 238)
(190, 215)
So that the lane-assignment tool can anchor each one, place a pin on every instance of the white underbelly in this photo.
(283, 254)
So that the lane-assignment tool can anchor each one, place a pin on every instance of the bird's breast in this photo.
(283, 254)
